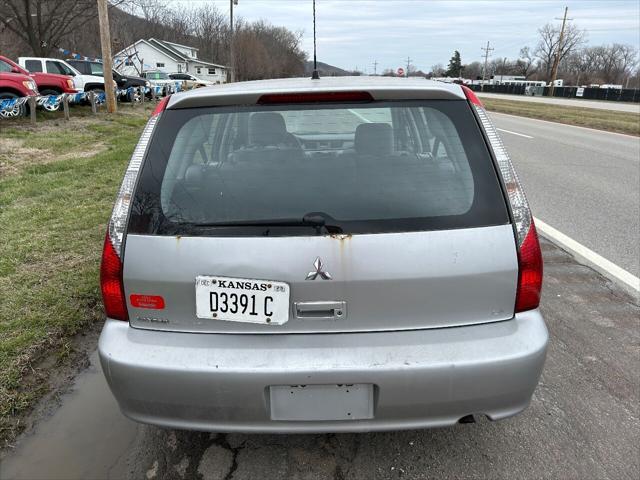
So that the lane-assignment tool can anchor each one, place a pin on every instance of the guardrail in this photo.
(16, 107)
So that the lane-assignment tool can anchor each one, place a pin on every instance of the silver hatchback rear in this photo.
(321, 255)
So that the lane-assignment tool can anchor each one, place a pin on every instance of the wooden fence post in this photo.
(65, 106)
(142, 94)
(92, 100)
(32, 109)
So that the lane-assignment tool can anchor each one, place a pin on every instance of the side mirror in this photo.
(15, 70)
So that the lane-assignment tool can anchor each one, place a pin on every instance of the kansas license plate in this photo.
(242, 300)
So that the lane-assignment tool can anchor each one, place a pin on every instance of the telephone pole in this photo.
(406, 73)
(375, 67)
(554, 70)
(105, 43)
(487, 52)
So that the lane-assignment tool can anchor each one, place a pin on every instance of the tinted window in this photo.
(33, 65)
(58, 67)
(381, 166)
(80, 66)
(4, 66)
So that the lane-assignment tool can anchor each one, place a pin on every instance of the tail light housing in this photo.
(529, 254)
(111, 283)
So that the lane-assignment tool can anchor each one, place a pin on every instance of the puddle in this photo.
(86, 438)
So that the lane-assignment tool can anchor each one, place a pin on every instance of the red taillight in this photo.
(315, 97)
(154, 302)
(111, 283)
(162, 104)
(529, 272)
(471, 96)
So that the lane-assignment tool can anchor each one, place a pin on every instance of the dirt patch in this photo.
(14, 154)
(17, 154)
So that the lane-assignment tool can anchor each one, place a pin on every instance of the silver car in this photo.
(342, 254)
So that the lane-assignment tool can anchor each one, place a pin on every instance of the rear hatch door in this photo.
(410, 226)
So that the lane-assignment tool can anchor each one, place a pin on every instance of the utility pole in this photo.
(406, 73)
(554, 70)
(232, 67)
(487, 52)
(375, 67)
(105, 43)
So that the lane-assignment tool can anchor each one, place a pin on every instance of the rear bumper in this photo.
(424, 378)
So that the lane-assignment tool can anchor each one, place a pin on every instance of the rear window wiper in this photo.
(310, 220)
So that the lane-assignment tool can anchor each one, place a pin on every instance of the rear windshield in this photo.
(359, 168)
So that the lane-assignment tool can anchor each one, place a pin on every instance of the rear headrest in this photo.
(374, 139)
(194, 174)
(267, 128)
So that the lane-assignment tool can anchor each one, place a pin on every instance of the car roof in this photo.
(380, 88)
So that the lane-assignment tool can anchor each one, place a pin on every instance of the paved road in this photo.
(573, 102)
(583, 182)
(583, 422)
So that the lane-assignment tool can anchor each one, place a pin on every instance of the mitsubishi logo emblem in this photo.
(318, 271)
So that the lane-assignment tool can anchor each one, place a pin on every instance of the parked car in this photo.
(47, 83)
(190, 81)
(14, 84)
(158, 78)
(342, 254)
(123, 82)
(83, 83)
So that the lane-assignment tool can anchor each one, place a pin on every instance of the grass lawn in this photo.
(58, 181)
(621, 122)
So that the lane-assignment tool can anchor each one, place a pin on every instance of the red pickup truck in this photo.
(48, 83)
(14, 84)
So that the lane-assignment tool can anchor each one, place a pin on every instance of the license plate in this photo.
(242, 300)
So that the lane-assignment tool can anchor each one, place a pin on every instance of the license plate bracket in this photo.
(321, 402)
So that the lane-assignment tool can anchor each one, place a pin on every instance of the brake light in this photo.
(315, 97)
(529, 254)
(111, 282)
(471, 96)
(529, 272)
(162, 104)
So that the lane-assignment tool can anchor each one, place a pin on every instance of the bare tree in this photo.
(547, 47)
(437, 70)
(525, 64)
(42, 25)
(473, 70)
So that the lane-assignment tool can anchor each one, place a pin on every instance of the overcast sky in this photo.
(355, 33)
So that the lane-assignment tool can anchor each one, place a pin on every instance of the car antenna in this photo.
(315, 75)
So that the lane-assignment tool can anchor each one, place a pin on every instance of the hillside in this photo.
(325, 69)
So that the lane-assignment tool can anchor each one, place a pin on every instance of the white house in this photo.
(167, 57)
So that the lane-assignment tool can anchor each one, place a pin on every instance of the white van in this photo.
(53, 65)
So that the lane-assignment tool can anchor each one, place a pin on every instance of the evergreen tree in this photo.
(455, 65)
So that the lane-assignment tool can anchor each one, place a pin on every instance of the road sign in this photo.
(401, 72)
